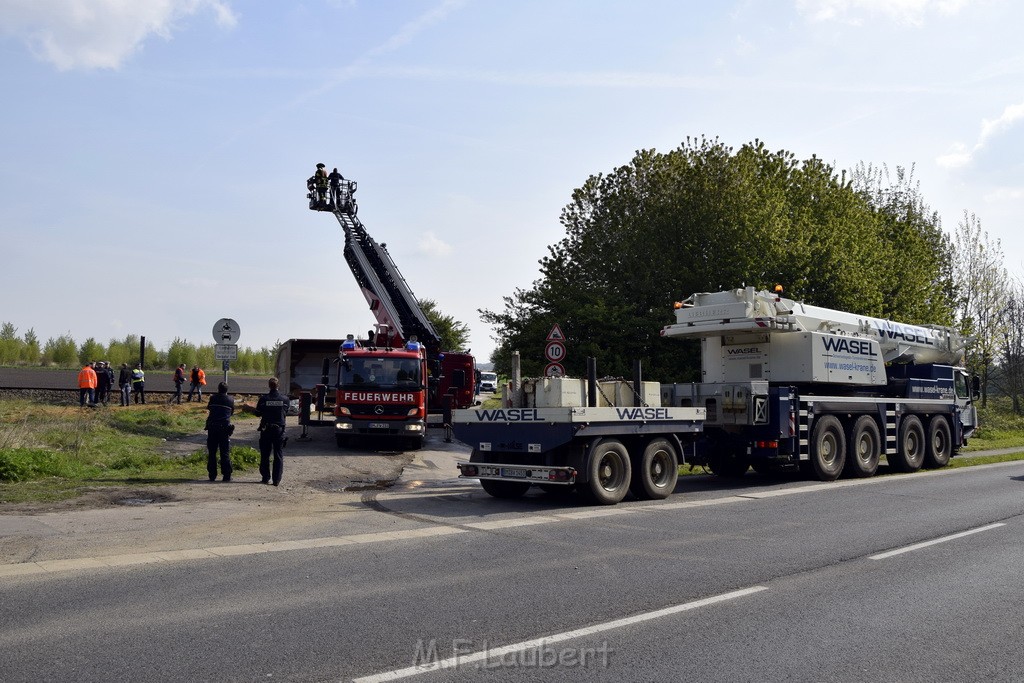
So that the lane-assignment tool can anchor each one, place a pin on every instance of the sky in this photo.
(153, 155)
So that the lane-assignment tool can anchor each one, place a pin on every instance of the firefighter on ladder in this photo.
(317, 186)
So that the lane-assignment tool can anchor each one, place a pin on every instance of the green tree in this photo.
(61, 351)
(983, 290)
(10, 344)
(706, 217)
(91, 350)
(454, 334)
(30, 350)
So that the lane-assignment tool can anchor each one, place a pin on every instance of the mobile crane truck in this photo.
(785, 384)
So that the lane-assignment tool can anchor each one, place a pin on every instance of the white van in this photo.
(488, 381)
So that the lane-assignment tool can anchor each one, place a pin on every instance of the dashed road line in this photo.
(935, 541)
(545, 641)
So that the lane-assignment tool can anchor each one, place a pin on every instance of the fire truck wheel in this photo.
(864, 447)
(828, 448)
(909, 446)
(655, 471)
(504, 489)
(939, 448)
(608, 473)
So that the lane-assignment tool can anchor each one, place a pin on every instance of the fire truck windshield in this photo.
(381, 372)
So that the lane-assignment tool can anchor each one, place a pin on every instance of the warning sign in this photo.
(556, 334)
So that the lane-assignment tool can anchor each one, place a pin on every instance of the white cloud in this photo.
(98, 34)
(431, 245)
(910, 12)
(960, 155)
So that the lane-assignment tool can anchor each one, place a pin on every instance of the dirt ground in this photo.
(322, 491)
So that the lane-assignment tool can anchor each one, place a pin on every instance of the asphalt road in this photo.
(764, 581)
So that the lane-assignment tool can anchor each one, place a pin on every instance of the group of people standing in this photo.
(196, 380)
(96, 378)
(272, 408)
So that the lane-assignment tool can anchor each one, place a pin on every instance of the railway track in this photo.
(157, 381)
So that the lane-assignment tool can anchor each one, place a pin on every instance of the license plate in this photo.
(378, 425)
(512, 472)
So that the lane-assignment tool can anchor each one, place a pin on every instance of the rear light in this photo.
(561, 475)
(766, 444)
(470, 470)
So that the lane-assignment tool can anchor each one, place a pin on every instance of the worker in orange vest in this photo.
(197, 382)
(87, 385)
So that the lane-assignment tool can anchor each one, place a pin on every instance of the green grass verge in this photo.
(50, 453)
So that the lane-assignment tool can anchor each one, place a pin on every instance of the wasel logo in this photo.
(861, 347)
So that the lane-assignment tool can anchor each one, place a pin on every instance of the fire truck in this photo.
(384, 384)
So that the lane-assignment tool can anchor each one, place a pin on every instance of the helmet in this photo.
(320, 166)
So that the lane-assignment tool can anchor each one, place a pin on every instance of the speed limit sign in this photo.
(554, 351)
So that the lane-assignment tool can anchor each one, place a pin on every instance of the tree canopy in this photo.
(706, 217)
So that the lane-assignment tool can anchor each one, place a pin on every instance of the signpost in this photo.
(225, 333)
(554, 351)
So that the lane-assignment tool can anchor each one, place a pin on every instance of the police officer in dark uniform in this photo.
(218, 432)
(272, 408)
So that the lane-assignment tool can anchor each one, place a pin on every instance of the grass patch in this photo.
(50, 453)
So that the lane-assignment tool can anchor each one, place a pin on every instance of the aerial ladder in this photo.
(400, 319)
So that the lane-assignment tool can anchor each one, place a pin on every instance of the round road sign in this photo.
(226, 331)
(554, 351)
(554, 370)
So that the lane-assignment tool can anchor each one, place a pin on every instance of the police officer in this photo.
(272, 408)
(218, 432)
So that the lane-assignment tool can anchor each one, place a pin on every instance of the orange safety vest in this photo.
(202, 377)
(87, 378)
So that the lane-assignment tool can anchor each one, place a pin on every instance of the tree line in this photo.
(707, 217)
(65, 352)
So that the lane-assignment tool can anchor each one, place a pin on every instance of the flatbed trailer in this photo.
(602, 452)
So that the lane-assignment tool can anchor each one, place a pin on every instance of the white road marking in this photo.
(167, 556)
(934, 541)
(483, 655)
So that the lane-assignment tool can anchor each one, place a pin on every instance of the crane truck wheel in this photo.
(655, 471)
(909, 446)
(608, 473)
(939, 447)
(863, 447)
(828, 448)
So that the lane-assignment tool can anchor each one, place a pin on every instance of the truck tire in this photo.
(939, 447)
(828, 448)
(863, 447)
(504, 489)
(608, 473)
(655, 471)
(909, 446)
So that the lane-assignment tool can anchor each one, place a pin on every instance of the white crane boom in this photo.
(746, 311)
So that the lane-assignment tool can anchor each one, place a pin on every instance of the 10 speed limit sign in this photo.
(555, 353)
